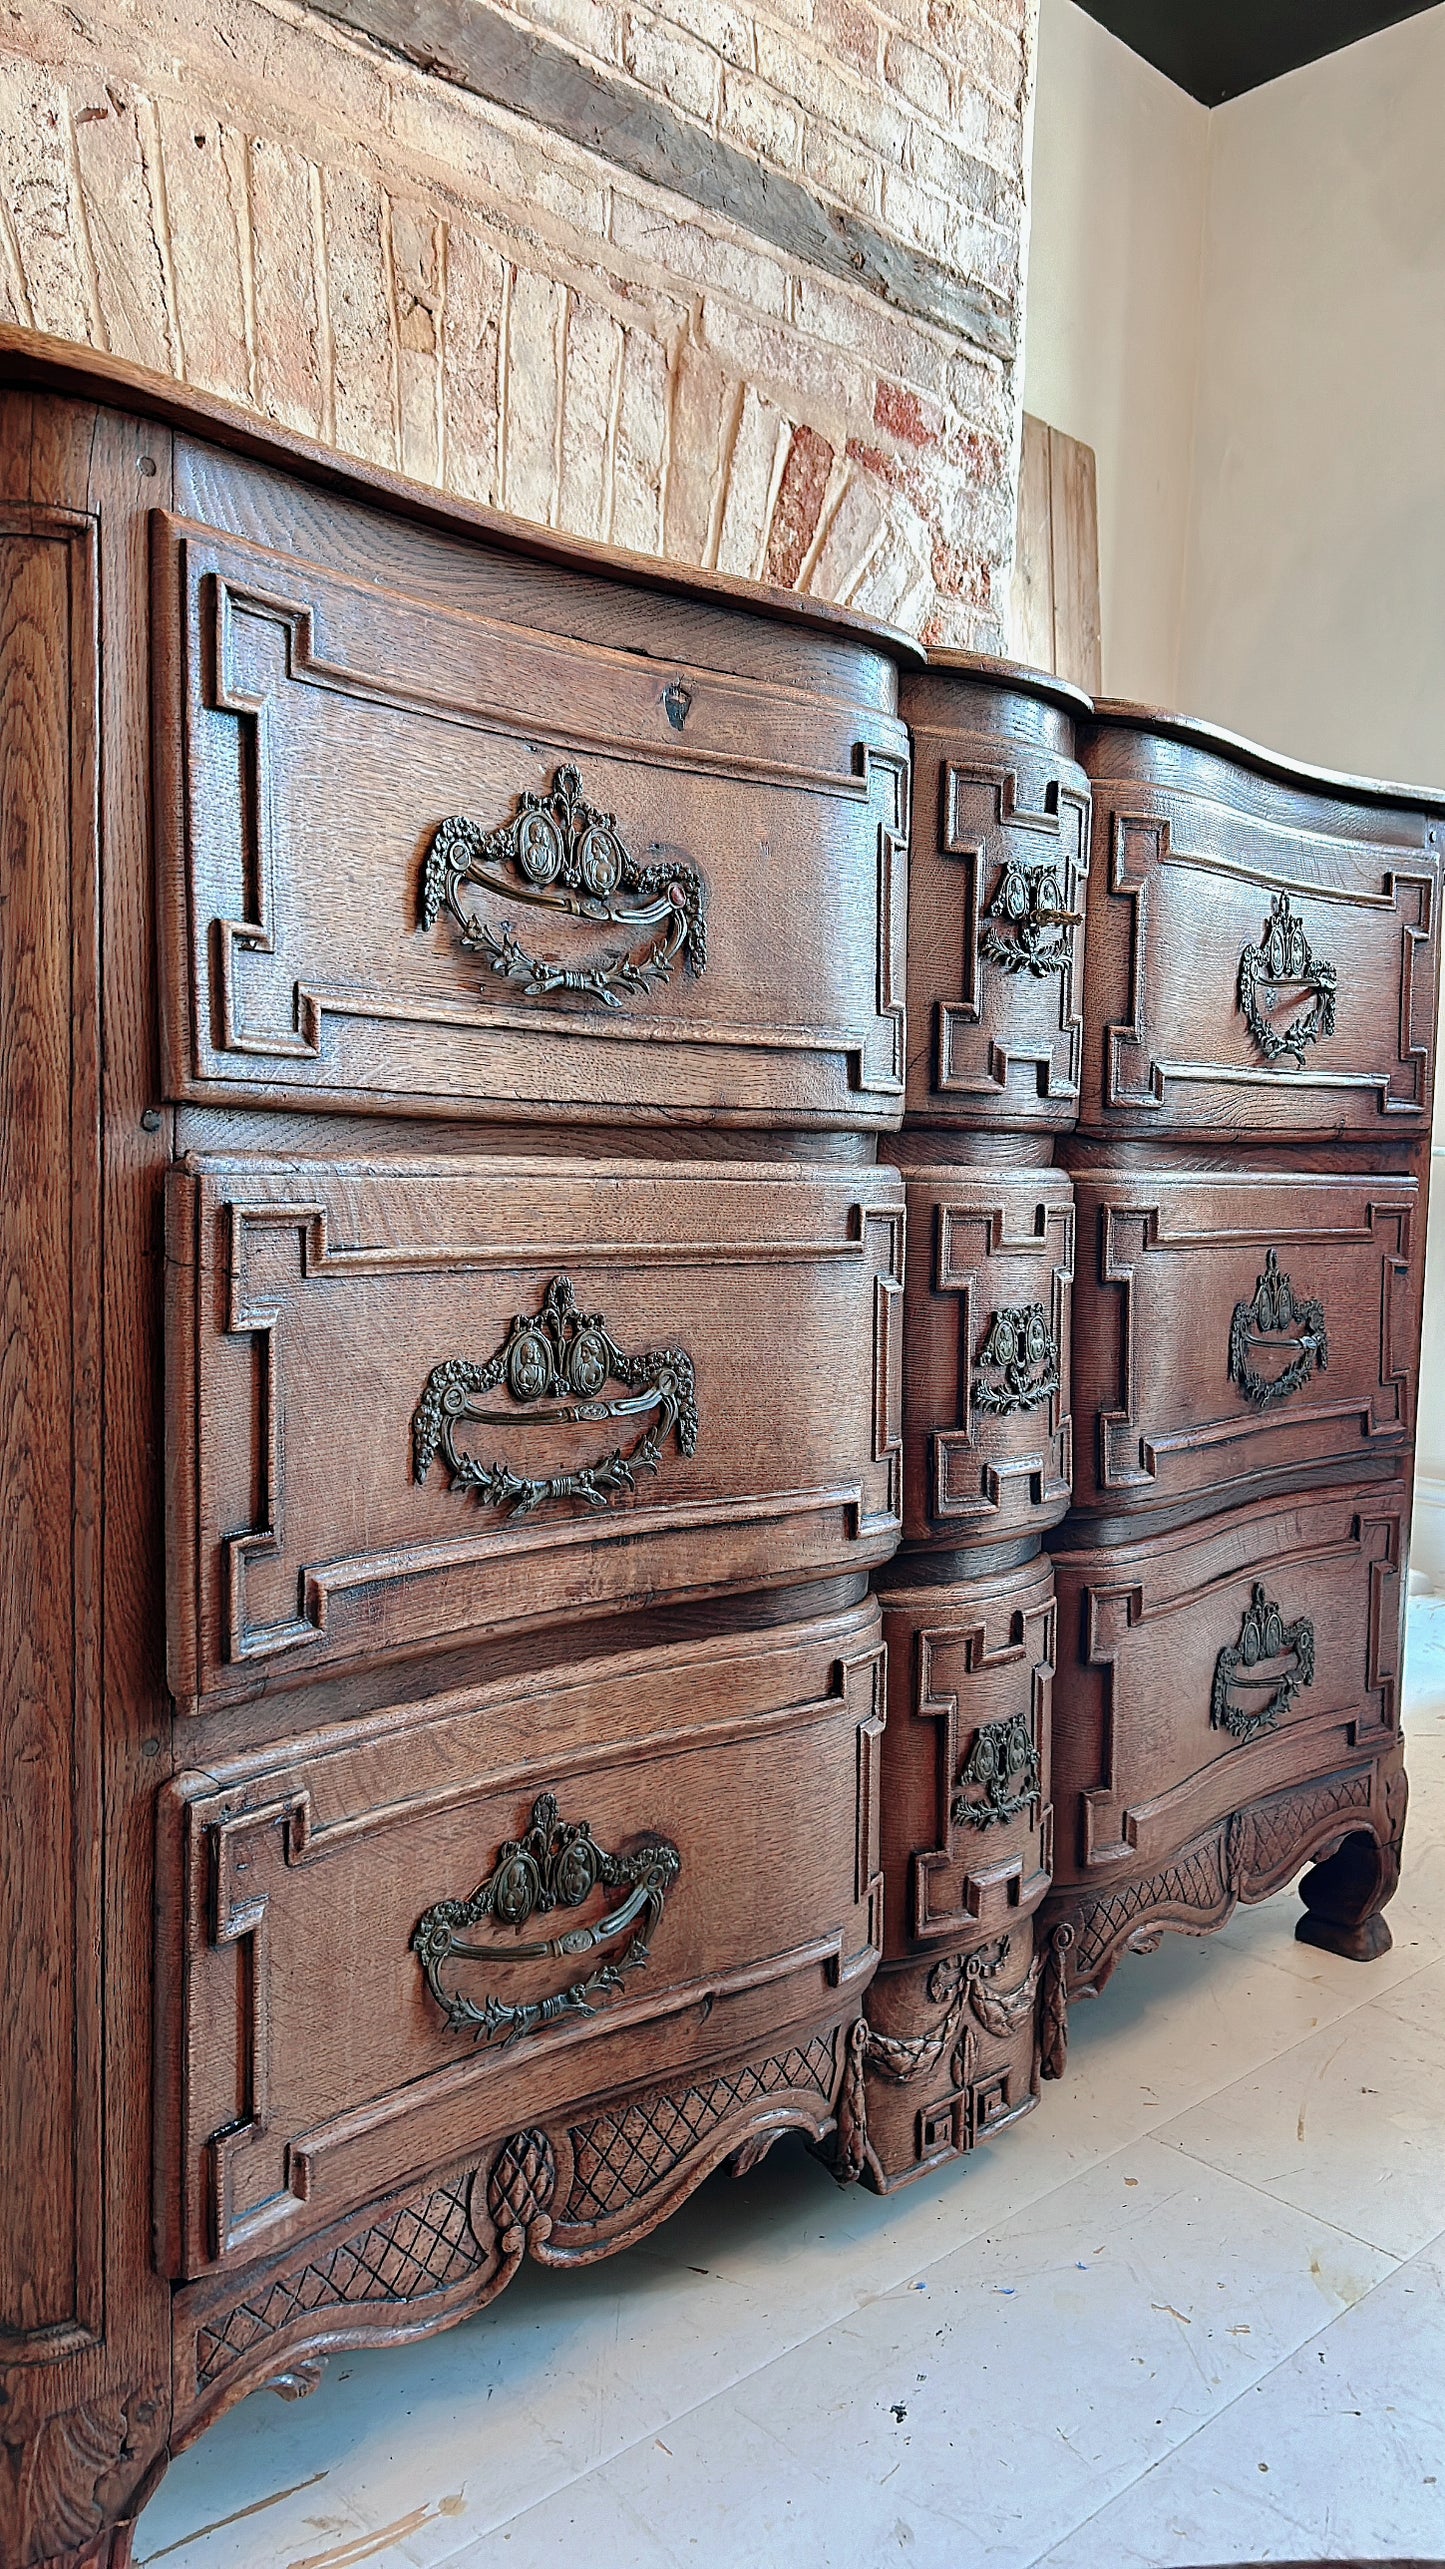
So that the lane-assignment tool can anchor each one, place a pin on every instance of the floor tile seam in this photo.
(1282, 2203)
(1208, 2425)
(1375, 2001)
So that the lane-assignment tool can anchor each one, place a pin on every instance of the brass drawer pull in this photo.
(1018, 1363)
(561, 854)
(1279, 973)
(556, 1865)
(1029, 903)
(1265, 1640)
(1276, 1319)
(556, 1365)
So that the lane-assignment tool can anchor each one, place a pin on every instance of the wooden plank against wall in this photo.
(1056, 564)
(1033, 590)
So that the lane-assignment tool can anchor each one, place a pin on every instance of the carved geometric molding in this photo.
(991, 1705)
(1335, 1558)
(1009, 1449)
(1181, 1039)
(1175, 1428)
(314, 977)
(1021, 913)
(306, 1364)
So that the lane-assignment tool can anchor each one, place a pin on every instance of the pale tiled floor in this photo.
(1191, 2312)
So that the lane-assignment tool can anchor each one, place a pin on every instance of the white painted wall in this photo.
(1243, 313)
(1111, 328)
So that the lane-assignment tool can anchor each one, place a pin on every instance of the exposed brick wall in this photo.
(245, 195)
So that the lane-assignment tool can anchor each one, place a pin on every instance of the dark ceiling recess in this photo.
(1217, 48)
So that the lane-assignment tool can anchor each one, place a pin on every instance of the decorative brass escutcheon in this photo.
(1018, 1363)
(555, 1864)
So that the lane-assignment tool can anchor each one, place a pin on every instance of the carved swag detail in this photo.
(557, 1864)
(1276, 1320)
(556, 1365)
(1018, 1363)
(960, 1985)
(561, 854)
(1032, 923)
(1000, 1776)
(1281, 972)
(1264, 1640)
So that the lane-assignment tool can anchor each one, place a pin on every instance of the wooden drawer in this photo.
(1262, 954)
(1201, 1671)
(424, 859)
(987, 1432)
(388, 1941)
(1000, 863)
(967, 1821)
(1231, 1331)
(417, 1404)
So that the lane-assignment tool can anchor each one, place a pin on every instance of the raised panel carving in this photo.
(971, 1669)
(51, 2144)
(998, 939)
(309, 1308)
(989, 1432)
(1142, 1763)
(1189, 1036)
(734, 1782)
(325, 731)
(1178, 1257)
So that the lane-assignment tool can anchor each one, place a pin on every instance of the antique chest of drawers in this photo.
(453, 993)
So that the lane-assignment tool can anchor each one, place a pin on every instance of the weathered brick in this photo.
(842, 169)
(417, 286)
(755, 467)
(641, 444)
(359, 309)
(719, 23)
(754, 115)
(704, 398)
(704, 255)
(592, 360)
(209, 228)
(117, 149)
(476, 278)
(292, 381)
(46, 219)
(919, 77)
(849, 28)
(673, 64)
(536, 318)
(798, 506)
(593, 26)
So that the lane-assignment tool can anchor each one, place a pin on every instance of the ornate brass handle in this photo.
(556, 1365)
(1278, 973)
(1029, 900)
(557, 1864)
(1276, 1318)
(1255, 1662)
(561, 854)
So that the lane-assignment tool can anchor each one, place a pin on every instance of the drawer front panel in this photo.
(967, 1822)
(988, 1436)
(395, 1937)
(999, 875)
(1203, 1671)
(435, 1403)
(1257, 959)
(1232, 1328)
(417, 858)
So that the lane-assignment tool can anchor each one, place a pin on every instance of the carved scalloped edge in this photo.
(424, 2258)
(1243, 1858)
